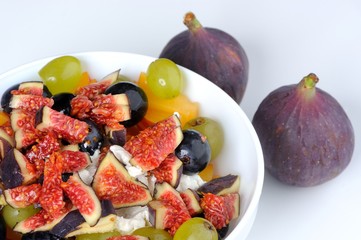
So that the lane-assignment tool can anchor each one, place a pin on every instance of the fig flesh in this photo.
(212, 53)
(306, 136)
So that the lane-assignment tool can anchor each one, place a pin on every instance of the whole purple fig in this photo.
(306, 136)
(212, 53)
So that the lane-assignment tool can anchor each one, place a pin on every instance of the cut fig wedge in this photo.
(67, 224)
(83, 198)
(16, 170)
(169, 170)
(41, 221)
(112, 181)
(220, 210)
(222, 185)
(106, 223)
(152, 145)
(167, 211)
(23, 196)
(6, 143)
(69, 129)
(191, 199)
(94, 89)
(30, 103)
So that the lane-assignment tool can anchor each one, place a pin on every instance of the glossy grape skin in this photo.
(153, 233)
(212, 130)
(62, 102)
(164, 78)
(196, 228)
(14, 215)
(97, 236)
(138, 100)
(93, 141)
(61, 74)
(194, 151)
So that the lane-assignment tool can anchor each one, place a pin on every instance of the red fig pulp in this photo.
(306, 136)
(212, 53)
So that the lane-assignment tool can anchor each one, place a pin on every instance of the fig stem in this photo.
(309, 81)
(192, 22)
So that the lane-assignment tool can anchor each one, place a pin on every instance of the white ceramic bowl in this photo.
(241, 154)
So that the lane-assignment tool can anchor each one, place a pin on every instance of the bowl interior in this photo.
(241, 154)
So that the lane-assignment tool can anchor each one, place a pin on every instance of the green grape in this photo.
(196, 228)
(14, 215)
(61, 74)
(212, 130)
(153, 233)
(97, 236)
(164, 78)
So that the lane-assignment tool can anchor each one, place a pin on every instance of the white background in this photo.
(284, 40)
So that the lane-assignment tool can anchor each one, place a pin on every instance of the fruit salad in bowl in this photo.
(110, 145)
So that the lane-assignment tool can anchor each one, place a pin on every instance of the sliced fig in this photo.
(80, 107)
(212, 53)
(30, 103)
(69, 129)
(30, 87)
(169, 170)
(73, 159)
(23, 196)
(41, 221)
(220, 210)
(221, 185)
(94, 89)
(23, 124)
(110, 110)
(67, 224)
(16, 170)
(83, 198)
(152, 145)
(191, 199)
(167, 211)
(6, 143)
(138, 100)
(51, 197)
(45, 145)
(113, 182)
(306, 136)
(106, 223)
(116, 136)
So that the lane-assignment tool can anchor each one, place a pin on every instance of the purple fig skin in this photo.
(212, 53)
(306, 136)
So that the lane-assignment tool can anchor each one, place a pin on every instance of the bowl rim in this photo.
(249, 215)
